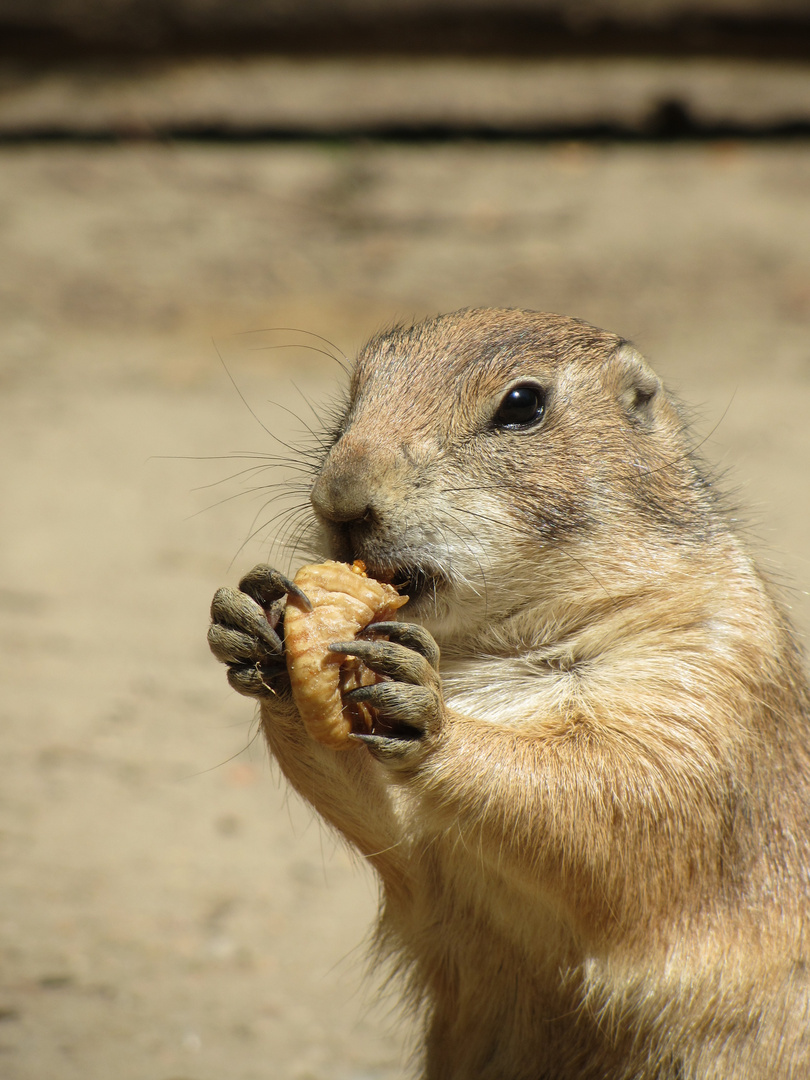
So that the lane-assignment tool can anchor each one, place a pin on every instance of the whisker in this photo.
(299, 542)
(233, 757)
(256, 530)
(292, 525)
(263, 426)
(297, 330)
(231, 498)
(295, 345)
(329, 424)
(235, 476)
(315, 435)
(234, 455)
(287, 520)
(311, 407)
(471, 549)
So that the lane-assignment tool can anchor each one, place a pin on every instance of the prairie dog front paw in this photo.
(246, 632)
(408, 705)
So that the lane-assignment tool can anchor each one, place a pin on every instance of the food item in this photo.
(344, 601)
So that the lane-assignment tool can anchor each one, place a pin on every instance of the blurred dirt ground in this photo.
(167, 911)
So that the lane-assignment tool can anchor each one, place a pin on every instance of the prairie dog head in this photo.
(493, 461)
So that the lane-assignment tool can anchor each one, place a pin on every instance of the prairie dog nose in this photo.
(352, 481)
(339, 499)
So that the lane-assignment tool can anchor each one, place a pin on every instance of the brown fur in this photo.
(597, 865)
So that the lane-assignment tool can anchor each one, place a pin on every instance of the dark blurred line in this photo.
(510, 30)
(428, 134)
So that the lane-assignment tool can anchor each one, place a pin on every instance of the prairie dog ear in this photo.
(637, 385)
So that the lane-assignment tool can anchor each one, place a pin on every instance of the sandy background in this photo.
(166, 910)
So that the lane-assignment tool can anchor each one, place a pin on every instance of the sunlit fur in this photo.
(598, 867)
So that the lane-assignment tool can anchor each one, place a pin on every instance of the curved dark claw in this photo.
(231, 646)
(411, 635)
(409, 709)
(388, 658)
(254, 680)
(241, 636)
(264, 585)
(395, 753)
(408, 703)
(235, 613)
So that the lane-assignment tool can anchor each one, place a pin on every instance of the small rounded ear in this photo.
(637, 385)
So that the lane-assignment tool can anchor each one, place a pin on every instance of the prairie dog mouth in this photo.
(409, 580)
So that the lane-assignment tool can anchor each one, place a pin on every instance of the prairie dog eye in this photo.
(522, 407)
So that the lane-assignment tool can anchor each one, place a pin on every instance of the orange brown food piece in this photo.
(344, 601)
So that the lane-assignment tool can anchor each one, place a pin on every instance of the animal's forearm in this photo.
(571, 813)
(345, 787)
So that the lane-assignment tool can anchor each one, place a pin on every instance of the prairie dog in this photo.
(590, 817)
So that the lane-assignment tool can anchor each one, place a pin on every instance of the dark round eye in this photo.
(522, 407)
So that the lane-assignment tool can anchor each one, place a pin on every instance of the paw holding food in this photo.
(343, 601)
(246, 632)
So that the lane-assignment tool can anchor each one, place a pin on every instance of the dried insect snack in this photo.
(344, 601)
